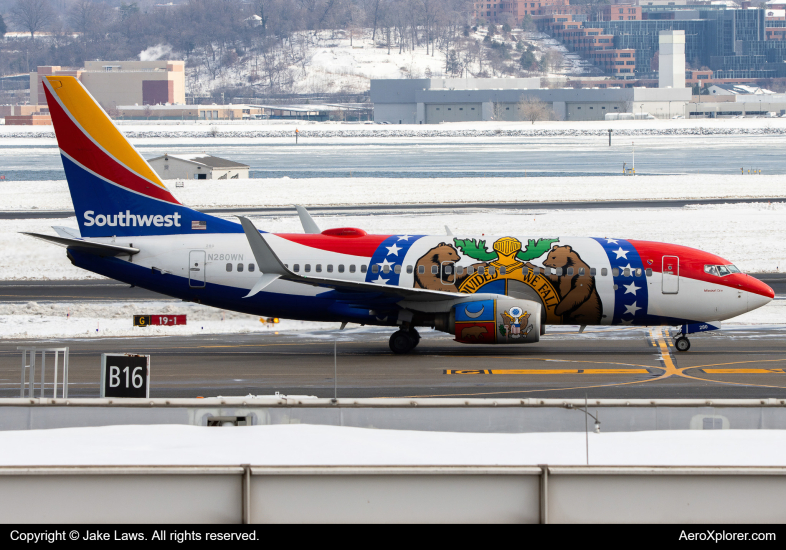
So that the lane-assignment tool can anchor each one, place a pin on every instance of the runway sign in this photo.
(164, 320)
(125, 375)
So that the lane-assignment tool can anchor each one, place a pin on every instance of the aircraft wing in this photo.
(99, 249)
(273, 268)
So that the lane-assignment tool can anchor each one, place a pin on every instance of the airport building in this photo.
(115, 83)
(198, 166)
(432, 101)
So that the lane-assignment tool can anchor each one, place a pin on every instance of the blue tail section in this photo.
(104, 209)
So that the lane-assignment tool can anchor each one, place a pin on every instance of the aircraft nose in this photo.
(759, 293)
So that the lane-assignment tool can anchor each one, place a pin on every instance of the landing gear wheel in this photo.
(682, 343)
(402, 342)
(415, 336)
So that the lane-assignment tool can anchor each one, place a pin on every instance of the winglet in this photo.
(309, 225)
(269, 265)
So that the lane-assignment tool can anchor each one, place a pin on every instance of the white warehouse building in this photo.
(434, 100)
(198, 166)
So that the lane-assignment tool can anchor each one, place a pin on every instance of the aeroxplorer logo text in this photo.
(128, 219)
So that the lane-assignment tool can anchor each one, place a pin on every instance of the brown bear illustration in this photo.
(443, 252)
(579, 300)
(473, 332)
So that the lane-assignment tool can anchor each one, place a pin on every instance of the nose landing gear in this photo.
(404, 341)
(682, 343)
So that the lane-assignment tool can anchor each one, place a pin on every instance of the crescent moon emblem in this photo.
(474, 315)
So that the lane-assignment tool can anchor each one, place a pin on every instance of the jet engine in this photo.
(502, 321)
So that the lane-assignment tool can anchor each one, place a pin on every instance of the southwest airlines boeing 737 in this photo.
(482, 290)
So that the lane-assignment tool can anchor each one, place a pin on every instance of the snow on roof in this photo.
(204, 159)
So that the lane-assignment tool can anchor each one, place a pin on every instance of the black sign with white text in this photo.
(125, 375)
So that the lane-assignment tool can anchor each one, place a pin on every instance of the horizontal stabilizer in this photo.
(263, 282)
(99, 249)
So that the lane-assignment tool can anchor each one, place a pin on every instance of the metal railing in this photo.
(29, 355)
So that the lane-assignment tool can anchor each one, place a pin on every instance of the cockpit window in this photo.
(720, 270)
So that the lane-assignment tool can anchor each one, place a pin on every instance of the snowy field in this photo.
(345, 130)
(54, 195)
(304, 445)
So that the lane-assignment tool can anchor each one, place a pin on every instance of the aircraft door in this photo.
(671, 275)
(196, 269)
(447, 273)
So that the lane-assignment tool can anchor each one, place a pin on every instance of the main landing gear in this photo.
(404, 341)
(681, 342)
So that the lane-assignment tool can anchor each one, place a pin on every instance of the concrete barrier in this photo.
(447, 415)
(388, 494)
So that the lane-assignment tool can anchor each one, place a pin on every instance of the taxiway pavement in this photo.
(737, 362)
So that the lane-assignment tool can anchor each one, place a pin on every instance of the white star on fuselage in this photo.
(622, 268)
(631, 288)
(611, 241)
(632, 309)
(393, 250)
(405, 237)
(621, 253)
(381, 281)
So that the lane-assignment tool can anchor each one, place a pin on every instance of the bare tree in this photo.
(532, 109)
(32, 15)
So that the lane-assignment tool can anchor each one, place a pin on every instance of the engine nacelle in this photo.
(503, 321)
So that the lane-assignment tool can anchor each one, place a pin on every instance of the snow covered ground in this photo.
(54, 195)
(301, 445)
(343, 130)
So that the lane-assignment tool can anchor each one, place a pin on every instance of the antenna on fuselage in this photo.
(448, 232)
(309, 225)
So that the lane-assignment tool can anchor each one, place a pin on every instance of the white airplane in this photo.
(485, 290)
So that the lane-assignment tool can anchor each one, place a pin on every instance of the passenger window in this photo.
(604, 272)
(492, 270)
(250, 268)
(481, 270)
(352, 268)
(295, 267)
(319, 268)
(341, 268)
(626, 272)
(421, 269)
(375, 268)
(536, 271)
(239, 268)
(581, 270)
(363, 268)
(308, 268)
(330, 268)
(434, 270)
(524, 270)
(559, 272)
(638, 272)
(409, 269)
(229, 267)
(397, 269)
(385, 269)
(649, 272)
(569, 271)
(459, 270)
(593, 271)
(615, 272)
(503, 270)
(470, 270)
